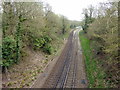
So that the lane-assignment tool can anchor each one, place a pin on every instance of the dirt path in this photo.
(69, 70)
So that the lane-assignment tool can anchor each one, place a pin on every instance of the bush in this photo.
(39, 43)
(8, 51)
(47, 39)
(43, 43)
(48, 49)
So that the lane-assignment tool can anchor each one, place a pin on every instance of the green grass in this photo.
(95, 74)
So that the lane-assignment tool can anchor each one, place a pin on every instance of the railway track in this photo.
(65, 73)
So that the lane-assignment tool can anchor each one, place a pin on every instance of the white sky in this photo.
(72, 9)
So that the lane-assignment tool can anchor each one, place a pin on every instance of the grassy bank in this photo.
(95, 74)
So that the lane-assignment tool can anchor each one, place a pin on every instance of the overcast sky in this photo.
(72, 9)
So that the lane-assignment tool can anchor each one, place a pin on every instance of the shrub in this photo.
(8, 51)
(43, 43)
(39, 43)
(47, 39)
(48, 49)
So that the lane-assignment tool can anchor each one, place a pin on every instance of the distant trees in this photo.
(65, 24)
(63, 29)
(88, 18)
(103, 33)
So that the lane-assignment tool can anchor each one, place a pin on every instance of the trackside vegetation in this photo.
(95, 74)
(31, 25)
(100, 27)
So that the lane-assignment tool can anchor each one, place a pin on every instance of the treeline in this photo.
(33, 25)
(101, 27)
